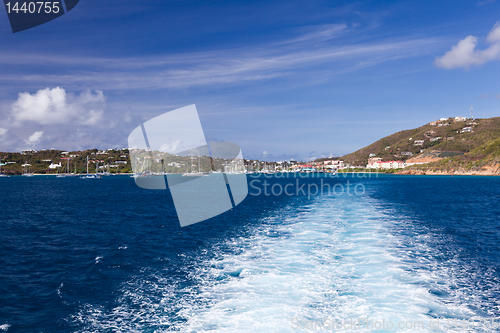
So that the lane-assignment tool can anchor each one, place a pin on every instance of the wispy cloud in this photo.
(230, 66)
(313, 57)
(321, 33)
(482, 3)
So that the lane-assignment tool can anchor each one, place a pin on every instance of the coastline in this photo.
(448, 173)
(410, 172)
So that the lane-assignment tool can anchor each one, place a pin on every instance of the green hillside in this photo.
(443, 139)
(484, 159)
(41, 160)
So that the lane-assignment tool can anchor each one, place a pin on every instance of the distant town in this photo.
(443, 138)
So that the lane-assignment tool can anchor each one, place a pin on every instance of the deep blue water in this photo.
(106, 256)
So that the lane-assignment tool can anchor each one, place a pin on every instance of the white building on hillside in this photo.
(336, 163)
(54, 166)
(386, 165)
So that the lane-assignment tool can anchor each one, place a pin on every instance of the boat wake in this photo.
(337, 258)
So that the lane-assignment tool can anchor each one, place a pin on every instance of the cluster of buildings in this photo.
(122, 160)
(445, 121)
(324, 166)
(377, 163)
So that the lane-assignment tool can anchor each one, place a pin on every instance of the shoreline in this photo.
(76, 176)
(491, 172)
(399, 173)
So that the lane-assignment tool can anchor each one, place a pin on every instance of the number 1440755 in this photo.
(33, 7)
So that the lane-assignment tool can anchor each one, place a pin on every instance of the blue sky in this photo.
(282, 79)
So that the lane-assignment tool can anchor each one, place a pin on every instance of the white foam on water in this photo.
(338, 259)
(59, 293)
(4, 327)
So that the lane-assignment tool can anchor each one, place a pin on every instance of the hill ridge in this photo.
(445, 138)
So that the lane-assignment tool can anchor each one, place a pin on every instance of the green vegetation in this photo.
(444, 139)
(119, 161)
(41, 160)
(486, 156)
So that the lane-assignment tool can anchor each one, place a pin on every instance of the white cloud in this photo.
(34, 138)
(494, 35)
(464, 54)
(56, 106)
(3, 131)
(92, 118)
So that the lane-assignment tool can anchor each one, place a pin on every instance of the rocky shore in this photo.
(487, 170)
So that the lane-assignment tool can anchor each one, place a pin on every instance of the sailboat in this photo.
(27, 171)
(104, 172)
(67, 174)
(144, 169)
(193, 173)
(88, 175)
